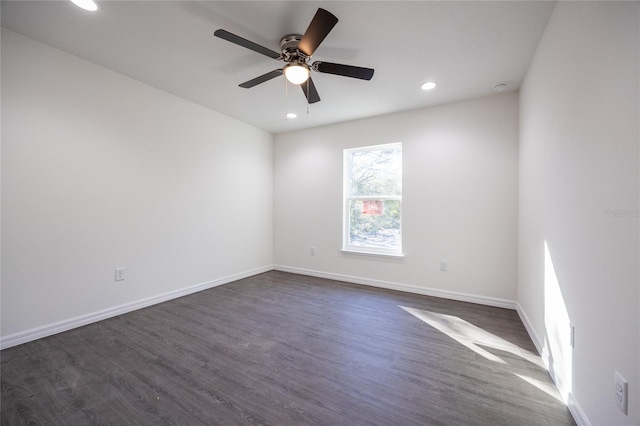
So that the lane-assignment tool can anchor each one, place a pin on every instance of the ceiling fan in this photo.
(296, 50)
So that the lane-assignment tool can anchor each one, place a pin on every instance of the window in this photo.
(373, 199)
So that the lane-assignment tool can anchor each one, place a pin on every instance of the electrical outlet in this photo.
(443, 265)
(621, 392)
(312, 251)
(572, 335)
(120, 274)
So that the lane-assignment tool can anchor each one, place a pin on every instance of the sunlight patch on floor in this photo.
(545, 387)
(476, 339)
(471, 336)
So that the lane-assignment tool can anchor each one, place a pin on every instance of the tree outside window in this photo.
(373, 199)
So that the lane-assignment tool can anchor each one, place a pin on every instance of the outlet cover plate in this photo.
(621, 387)
(120, 274)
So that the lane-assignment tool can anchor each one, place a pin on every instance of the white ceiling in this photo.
(466, 47)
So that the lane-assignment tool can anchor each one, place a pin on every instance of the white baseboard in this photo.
(529, 327)
(68, 324)
(576, 411)
(409, 288)
(79, 321)
(572, 403)
(65, 325)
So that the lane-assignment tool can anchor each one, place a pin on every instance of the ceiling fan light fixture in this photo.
(89, 5)
(296, 72)
(296, 51)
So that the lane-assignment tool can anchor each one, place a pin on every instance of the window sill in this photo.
(373, 254)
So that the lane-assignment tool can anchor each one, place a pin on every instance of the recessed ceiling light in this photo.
(89, 5)
(501, 87)
(291, 115)
(428, 85)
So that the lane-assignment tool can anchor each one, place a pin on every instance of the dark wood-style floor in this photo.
(285, 349)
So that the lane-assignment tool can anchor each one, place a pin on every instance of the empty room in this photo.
(327, 213)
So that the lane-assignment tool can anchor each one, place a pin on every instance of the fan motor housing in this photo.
(289, 47)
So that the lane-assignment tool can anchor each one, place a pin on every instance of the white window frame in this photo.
(347, 198)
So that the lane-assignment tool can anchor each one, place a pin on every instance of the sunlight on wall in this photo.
(556, 352)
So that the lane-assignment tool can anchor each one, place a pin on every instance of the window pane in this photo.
(371, 226)
(376, 172)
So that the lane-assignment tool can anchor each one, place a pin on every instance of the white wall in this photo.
(100, 171)
(459, 199)
(579, 115)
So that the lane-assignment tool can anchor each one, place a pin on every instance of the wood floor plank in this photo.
(285, 349)
(60, 396)
(17, 405)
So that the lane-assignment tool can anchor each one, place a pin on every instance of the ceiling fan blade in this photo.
(310, 91)
(343, 70)
(226, 35)
(264, 77)
(320, 26)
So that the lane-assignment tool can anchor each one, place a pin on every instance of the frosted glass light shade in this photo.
(296, 73)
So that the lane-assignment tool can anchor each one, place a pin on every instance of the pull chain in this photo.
(286, 100)
(309, 94)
